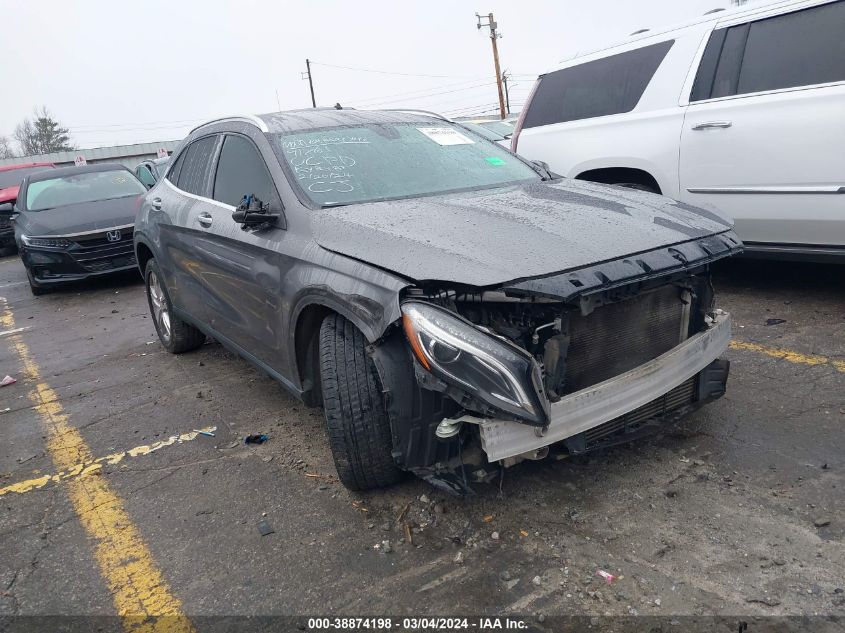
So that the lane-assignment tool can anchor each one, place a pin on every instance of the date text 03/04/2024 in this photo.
(416, 624)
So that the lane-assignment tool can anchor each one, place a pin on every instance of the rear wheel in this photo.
(175, 335)
(357, 423)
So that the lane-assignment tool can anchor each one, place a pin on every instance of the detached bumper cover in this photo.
(605, 401)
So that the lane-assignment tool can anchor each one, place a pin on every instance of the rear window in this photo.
(390, 161)
(85, 187)
(611, 85)
(13, 177)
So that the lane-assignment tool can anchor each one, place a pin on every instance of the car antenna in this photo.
(337, 106)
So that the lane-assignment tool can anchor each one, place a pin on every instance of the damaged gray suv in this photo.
(453, 308)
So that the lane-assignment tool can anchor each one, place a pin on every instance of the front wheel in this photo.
(357, 423)
(175, 335)
(36, 290)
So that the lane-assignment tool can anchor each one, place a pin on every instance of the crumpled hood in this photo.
(80, 218)
(490, 237)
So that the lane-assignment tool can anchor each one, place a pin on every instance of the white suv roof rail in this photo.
(244, 118)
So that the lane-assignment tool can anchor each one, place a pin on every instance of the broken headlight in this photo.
(493, 370)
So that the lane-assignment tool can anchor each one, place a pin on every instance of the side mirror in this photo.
(7, 208)
(254, 214)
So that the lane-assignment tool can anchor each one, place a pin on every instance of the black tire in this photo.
(176, 335)
(356, 421)
(36, 290)
(638, 186)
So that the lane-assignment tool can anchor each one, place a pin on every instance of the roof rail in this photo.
(639, 31)
(711, 11)
(246, 118)
(416, 111)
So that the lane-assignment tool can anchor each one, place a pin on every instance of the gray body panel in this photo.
(250, 289)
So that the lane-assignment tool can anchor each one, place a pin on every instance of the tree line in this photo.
(40, 134)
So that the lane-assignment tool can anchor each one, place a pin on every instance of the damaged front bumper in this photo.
(589, 408)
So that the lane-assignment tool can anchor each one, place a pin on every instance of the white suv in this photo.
(743, 110)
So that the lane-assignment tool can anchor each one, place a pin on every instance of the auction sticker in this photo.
(446, 136)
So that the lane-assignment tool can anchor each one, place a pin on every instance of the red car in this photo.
(10, 181)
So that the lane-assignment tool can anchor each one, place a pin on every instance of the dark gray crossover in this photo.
(76, 222)
(453, 308)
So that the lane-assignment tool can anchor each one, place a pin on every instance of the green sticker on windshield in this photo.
(495, 160)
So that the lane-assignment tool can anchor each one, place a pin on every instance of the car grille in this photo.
(609, 432)
(95, 253)
(617, 337)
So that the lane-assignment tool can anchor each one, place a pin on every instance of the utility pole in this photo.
(494, 35)
(307, 75)
(507, 96)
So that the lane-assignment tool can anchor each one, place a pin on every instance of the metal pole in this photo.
(310, 83)
(507, 96)
(494, 35)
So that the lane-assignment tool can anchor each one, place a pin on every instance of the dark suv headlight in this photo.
(487, 367)
(45, 242)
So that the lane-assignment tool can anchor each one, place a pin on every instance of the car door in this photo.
(244, 275)
(764, 132)
(183, 197)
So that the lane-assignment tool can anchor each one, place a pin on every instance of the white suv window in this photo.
(803, 48)
(611, 85)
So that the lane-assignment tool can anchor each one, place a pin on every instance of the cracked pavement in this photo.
(718, 515)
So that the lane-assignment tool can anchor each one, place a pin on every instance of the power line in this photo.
(411, 92)
(435, 94)
(387, 72)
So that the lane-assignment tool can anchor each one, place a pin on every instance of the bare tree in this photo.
(6, 150)
(42, 134)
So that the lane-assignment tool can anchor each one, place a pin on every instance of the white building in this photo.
(129, 155)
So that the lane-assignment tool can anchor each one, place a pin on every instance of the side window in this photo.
(144, 175)
(173, 174)
(803, 48)
(798, 49)
(194, 172)
(241, 171)
(598, 88)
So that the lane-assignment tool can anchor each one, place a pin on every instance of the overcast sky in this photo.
(118, 72)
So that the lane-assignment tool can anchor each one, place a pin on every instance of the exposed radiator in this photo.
(620, 336)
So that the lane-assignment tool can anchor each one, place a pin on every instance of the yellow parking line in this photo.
(789, 355)
(139, 591)
(86, 469)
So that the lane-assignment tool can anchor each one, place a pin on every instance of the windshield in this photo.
(398, 160)
(86, 187)
(13, 177)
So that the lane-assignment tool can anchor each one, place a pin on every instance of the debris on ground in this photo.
(523, 533)
(495, 536)
(424, 499)
(386, 547)
(821, 522)
(357, 505)
(401, 514)
(775, 321)
(264, 528)
(206, 433)
(537, 581)
(608, 577)
(408, 539)
(768, 601)
(8, 380)
(459, 558)
(488, 518)
(256, 438)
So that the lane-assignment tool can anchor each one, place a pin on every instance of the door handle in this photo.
(709, 125)
(205, 219)
(155, 203)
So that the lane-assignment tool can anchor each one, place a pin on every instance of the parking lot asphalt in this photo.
(736, 510)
